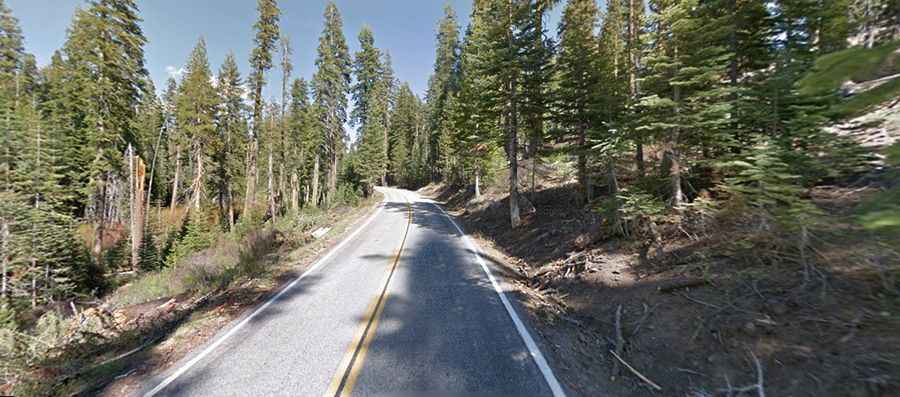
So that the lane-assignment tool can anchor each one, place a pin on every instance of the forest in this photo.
(660, 107)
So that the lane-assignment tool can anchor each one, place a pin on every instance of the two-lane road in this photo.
(402, 306)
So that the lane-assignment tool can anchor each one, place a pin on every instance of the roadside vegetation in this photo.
(127, 210)
(694, 197)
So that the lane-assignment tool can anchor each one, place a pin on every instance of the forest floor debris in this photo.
(721, 311)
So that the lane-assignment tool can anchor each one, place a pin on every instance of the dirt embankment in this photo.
(721, 308)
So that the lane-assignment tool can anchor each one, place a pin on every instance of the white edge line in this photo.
(271, 300)
(536, 354)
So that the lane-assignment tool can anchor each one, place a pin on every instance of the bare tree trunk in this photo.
(315, 182)
(674, 161)
(477, 182)
(332, 177)
(252, 178)
(152, 172)
(175, 183)
(198, 179)
(4, 256)
(100, 208)
(306, 194)
(138, 216)
(129, 154)
(387, 124)
(295, 192)
(282, 184)
(230, 206)
(513, 136)
(271, 188)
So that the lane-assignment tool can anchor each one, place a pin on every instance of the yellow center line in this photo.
(351, 365)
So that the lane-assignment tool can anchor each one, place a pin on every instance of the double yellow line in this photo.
(351, 365)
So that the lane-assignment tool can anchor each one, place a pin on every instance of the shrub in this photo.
(633, 205)
(346, 195)
(762, 180)
(199, 234)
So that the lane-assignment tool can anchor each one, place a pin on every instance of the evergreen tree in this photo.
(441, 85)
(370, 95)
(267, 33)
(12, 51)
(302, 139)
(231, 125)
(196, 112)
(106, 72)
(331, 84)
(404, 128)
(578, 81)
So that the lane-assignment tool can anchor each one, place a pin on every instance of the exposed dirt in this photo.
(722, 307)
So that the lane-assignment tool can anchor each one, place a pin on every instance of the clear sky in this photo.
(406, 28)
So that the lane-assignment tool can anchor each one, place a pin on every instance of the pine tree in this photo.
(475, 118)
(106, 70)
(286, 68)
(12, 51)
(402, 136)
(267, 33)
(302, 139)
(331, 84)
(197, 102)
(231, 125)
(537, 74)
(370, 95)
(441, 86)
(578, 80)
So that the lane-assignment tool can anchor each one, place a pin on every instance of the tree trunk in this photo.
(198, 179)
(613, 182)
(477, 182)
(4, 257)
(387, 124)
(583, 178)
(100, 215)
(332, 176)
(513, 136)
(512, 141)
(271, 188)
(315, 182)
(138, 216)
(632, 80)
(674, 160)
(176, 181)
(252, 178)
(152, 172)
(295, 192)
(282, 184)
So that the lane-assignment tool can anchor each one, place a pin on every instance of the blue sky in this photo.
(406, 28)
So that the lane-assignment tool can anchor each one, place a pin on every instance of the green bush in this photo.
(763, 180)
(632, 206)
(199, 234)
(346, 195)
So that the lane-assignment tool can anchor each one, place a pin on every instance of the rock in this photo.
(749, 328)
(582, 241)
(525, 206)
(848, 89)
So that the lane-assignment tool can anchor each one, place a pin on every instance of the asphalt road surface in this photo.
(404, 306)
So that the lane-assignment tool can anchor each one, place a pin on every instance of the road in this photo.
(403, 306)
